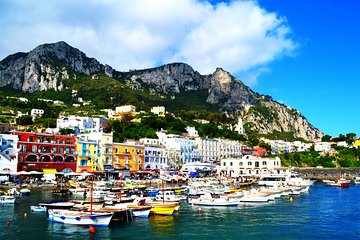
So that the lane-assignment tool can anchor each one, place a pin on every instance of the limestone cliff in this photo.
(44, 67)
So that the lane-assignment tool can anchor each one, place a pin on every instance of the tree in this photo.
(326, 138)
(24, 120)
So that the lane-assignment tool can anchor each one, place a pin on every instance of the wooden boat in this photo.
(79, 218)
(38, 208)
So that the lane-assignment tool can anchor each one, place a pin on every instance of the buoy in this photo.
(291, 199)
(25, 215)
(8, 223)
(91, 229)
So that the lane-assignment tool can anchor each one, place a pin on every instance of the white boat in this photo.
(215, 201)
(4, 199)
(25, 192)
(78, 191)
(79, 218)
(137, 207)
(341, 182)
(356, 180)
(57, 205)
(284, 179)
(37, 209)
(169, 196)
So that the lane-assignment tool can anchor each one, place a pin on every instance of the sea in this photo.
(324, 213)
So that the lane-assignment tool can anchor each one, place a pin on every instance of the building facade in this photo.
(42, 151)
(8, 153)
(128, 155)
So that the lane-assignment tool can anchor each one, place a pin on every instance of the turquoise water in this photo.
(324, 213)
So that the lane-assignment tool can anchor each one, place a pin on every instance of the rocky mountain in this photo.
(47, 66)
(44, 67)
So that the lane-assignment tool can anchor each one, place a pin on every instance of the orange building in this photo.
(128, 155)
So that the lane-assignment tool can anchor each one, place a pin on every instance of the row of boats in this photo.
(102, 204)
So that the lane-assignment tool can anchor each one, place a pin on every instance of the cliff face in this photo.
(46, 66)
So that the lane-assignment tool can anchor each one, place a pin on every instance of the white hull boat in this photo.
(7, 199)
(79, 218)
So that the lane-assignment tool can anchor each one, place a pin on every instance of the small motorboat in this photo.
(25, 192)
(79, 218)
(38, 208)
(4, 199)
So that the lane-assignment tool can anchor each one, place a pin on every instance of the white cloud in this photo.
(239, 36)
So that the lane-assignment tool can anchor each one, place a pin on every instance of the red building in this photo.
(46, 151)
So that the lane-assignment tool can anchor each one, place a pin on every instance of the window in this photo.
(264, 163)
(240, 163)
(249, 163)
(224, 164)
(34, 148)
(231, 163)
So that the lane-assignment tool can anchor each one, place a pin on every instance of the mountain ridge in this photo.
(47, 67)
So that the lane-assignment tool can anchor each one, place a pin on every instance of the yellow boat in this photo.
(164, 208)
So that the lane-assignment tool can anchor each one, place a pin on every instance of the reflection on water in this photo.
(162, 226)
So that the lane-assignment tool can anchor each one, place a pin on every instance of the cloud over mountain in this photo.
(239, 36)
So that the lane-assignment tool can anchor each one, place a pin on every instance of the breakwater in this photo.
(328, 173)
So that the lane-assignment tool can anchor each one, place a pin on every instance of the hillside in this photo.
(54, 70)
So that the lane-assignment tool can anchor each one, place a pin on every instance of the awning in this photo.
(50, 171)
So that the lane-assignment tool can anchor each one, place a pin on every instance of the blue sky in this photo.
(303, 53)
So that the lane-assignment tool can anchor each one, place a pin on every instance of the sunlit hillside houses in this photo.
(158, 110)
(81, 124)
(320, 146)
(248, 166)
(34, 113)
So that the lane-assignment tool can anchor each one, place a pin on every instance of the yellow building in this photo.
(128, 155)
(356, 143)
(88, 155)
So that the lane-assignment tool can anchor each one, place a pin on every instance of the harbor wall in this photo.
(328, 173)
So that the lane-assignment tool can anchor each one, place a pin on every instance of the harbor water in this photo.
(323, 213)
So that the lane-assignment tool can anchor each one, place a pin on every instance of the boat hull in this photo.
(163, 209)
(79, 218)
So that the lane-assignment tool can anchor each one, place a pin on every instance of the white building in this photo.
(8, 153)
(125, 109)
(248, 165)
(208, 149)
(192, 132)
(228, 149)
(322, 146)
(82, 124)
(36, 113)
(159, 110)
(155, 156)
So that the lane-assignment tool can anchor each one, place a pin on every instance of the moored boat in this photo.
(4, 199)
(163, 208)
(79, 218)
(218, 201)
(38, 208)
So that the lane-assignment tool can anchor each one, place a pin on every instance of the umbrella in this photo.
(36, 172)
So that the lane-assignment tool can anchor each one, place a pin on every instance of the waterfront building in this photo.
(228, 149)
(8, 152)
(249, 165)
(128, 155)
(155, 154)
(207, 148)
(43, 151)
